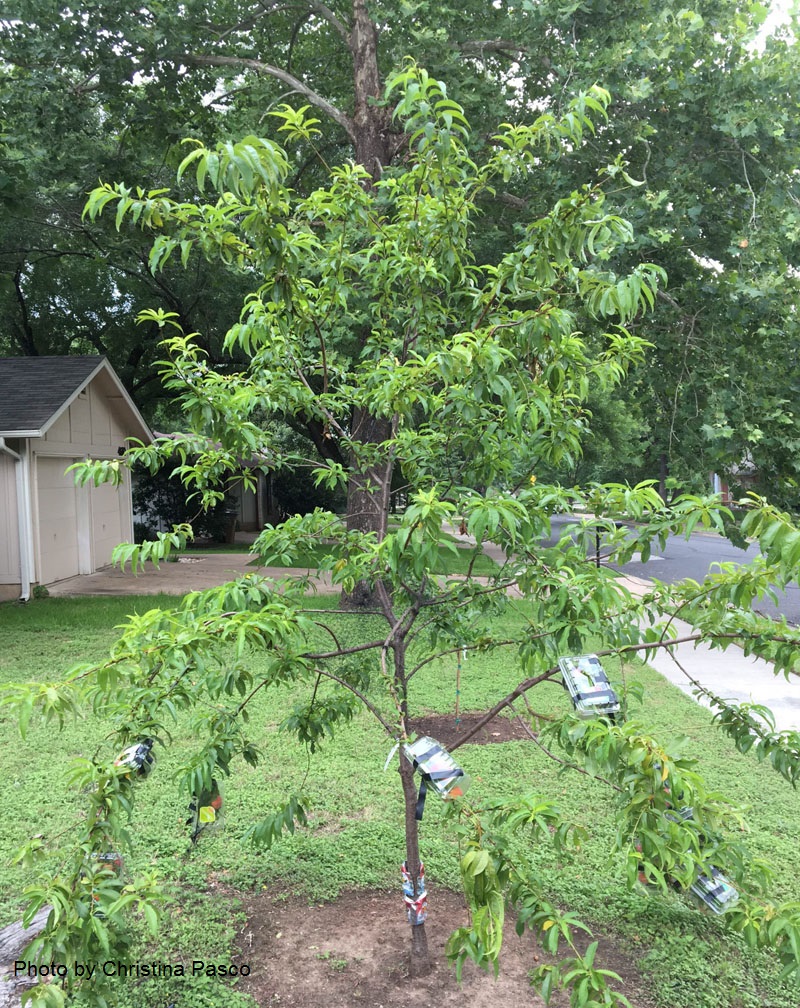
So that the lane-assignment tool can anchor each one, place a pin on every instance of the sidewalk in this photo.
(729, 674)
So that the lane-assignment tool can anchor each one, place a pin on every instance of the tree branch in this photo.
(498, 45)
(533, 736)
(448, 597)
(193, 59)
(513, 201)
(461, 647)
(368, 704)
(327, 14)
(505, 702)
(29, 344)
(527, 684)
(250, 22)
(341, 652)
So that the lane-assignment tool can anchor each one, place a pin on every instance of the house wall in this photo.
(57, 535)
(77, 528)
(109, 524)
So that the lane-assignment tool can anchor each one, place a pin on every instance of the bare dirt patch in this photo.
(355, 951)
(446, 731)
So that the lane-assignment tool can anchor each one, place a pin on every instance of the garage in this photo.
(55, 411)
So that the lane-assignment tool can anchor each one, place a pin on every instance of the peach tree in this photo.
(375, 322)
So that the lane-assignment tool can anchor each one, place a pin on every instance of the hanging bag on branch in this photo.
(438, 770)
(588, 685)
(137, 759)
(711, 888)
(205, 811)
(714, 891)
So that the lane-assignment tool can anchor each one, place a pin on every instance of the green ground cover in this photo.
(355, 836)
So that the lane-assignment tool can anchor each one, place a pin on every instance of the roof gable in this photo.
(35, 391)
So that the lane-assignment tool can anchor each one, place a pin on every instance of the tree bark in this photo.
(370, 479)
(198, 59)
(420, 963)
(371, 138)
(13, 940)
(25, 337)
(369, 488)
(662, 476)
(15, 937)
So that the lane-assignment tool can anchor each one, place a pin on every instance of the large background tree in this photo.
(703, 112)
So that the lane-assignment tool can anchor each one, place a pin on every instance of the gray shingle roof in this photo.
(32, 389)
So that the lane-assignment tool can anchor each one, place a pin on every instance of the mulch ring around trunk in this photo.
(446, 731)
(356, 951)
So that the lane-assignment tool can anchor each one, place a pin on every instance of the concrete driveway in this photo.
(186, 574)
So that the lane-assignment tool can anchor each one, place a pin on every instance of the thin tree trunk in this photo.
(420, 963)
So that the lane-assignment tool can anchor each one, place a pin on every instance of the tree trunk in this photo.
(369, 488)
(370, 479)
(369, 484)
(662, 476)
(420, 963)
(13, 940)
(15, 937)
(373, 147)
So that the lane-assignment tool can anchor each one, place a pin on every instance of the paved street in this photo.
(693, 558)
(729, 674)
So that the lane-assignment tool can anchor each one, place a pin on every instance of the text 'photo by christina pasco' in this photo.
(128, 970)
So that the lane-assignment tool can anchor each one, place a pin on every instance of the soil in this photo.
(446, 731)
(356, 951)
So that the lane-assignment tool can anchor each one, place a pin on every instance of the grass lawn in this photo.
(355, 836)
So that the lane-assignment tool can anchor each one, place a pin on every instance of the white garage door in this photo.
(106, 522)
(58, 520)
(9, 528)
